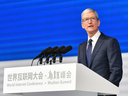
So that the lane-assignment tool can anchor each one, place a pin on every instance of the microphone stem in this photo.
(60, 58)
(50, 62)
(32, 62)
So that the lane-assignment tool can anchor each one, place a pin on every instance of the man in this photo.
(100, 53)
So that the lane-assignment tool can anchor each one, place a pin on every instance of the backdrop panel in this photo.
(29, 26)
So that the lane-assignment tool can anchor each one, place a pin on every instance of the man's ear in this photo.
(98, 23)
(82, 25)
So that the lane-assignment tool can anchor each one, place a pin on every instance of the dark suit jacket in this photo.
(106, 58)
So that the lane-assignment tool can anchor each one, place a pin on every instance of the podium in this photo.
(69, 79)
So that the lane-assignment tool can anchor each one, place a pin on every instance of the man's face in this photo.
(90, 22)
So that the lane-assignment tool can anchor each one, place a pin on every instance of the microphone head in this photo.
(58, 50)
(45, 51)
(42, 53)
(52, 50)
(66, 49)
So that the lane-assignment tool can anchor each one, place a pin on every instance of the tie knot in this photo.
(90, 40)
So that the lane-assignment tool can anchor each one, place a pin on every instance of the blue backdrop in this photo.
(29, 26)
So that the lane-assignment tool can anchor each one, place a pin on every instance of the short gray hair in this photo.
(89, 10)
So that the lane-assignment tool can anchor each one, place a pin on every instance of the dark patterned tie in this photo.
(88, 52)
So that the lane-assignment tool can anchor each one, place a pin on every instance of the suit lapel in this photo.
(97, 47)
(84, 52)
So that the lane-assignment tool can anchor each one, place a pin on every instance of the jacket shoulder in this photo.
(106, 37)
(83, 43)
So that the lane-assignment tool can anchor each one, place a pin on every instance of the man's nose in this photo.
(90, 21)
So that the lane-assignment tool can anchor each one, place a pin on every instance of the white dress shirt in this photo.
(94, 39)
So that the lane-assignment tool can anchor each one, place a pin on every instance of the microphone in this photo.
(59, 49)
(51, 52)
(60, 52)
(67, 49)
(42, 53)
(45, 54)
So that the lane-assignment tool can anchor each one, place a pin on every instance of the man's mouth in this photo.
(90, 26)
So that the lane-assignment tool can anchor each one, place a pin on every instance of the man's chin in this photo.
(91, 32)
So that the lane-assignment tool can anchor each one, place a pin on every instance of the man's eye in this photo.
(93, 18)
(87, 19)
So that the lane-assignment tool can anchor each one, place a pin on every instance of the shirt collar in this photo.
(95, 37)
